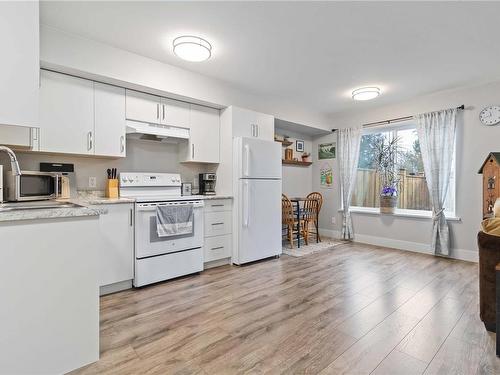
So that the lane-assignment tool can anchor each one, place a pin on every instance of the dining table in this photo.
(298, 212)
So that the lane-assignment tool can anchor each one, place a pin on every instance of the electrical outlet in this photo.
(334, 221)
(92, 182)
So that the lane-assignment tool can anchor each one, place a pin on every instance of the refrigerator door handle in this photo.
(246, 213)
(247, 160)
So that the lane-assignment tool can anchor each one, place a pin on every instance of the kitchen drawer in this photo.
(218, 247)
(218, 205)
(217, 223)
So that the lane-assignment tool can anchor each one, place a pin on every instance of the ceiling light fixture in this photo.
(192, 48)
(365, 93)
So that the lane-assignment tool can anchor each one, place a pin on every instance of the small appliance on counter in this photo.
(66, 180)
(30, 186)
(207, 183)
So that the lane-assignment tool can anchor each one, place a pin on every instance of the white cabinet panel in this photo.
(109, 120)
(218, 247)
(175, 113)
(247, 123)
(66, 114)
(265, 126)
(116, 244)
(218, 205)
(20, 63)
(143, 107)
(218, 223)
(243, 122)
(204, 141)
(19, 137)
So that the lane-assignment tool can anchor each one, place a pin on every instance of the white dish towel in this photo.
(174, 220)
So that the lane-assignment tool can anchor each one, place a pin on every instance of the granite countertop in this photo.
(96, 197)
(16, 214)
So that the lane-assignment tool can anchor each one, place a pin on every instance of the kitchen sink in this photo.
(38, 205)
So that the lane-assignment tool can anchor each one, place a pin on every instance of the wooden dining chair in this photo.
(289, 219)
(308, 214)
(319, 198)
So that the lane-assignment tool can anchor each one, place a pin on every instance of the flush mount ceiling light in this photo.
(365, 93)
(192, 48)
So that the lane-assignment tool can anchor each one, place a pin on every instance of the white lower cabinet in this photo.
(116, 244)
(218, 247)
(218, 230)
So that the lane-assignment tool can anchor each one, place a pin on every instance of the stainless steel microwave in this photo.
(30, 186)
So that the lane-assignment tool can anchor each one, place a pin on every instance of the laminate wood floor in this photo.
(355, 309)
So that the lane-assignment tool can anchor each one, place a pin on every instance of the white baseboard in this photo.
(462, 254)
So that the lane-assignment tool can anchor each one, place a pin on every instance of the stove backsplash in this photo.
(141, 157)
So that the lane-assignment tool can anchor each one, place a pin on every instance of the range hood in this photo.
(155, 132)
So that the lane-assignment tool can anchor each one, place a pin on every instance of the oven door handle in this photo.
(148, 207)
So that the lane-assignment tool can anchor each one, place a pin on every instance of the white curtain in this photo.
(436, 134)
(348, 143)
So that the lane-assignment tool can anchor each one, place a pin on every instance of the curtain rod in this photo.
(393, 120)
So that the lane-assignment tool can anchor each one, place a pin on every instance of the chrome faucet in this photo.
(16, 171)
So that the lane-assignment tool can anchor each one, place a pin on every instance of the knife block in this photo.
(112, 188)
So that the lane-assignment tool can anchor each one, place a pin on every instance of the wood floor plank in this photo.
(427, 337)
(353, 309)
(398, 363)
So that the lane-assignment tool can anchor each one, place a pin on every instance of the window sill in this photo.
(417, 214)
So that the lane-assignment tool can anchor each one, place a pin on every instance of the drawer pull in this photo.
(217, 248)
(217, 205)
(217, 223)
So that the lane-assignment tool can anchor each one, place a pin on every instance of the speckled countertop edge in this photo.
(50, 213)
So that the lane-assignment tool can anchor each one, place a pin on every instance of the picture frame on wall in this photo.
(327, 150)
(299, 146)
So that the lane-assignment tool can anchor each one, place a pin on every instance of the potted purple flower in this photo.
(386, 156)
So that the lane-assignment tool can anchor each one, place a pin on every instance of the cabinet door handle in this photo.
(158, 111)
(217, 223)
(89, 141)
(163, 111)
(217, 248)
(217, 205)
(122, 144)
(257, 130)
(253, 130)
(192, 151)
(131, 217)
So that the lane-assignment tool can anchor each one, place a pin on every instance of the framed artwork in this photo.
(326, 176)
(299, 146)
(327, 150)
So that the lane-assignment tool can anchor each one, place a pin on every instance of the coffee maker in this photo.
(207, 183)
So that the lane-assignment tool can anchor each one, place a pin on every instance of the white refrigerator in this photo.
(257, 199)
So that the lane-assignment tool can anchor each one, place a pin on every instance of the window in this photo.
(412, 187)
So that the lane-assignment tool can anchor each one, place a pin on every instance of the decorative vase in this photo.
(288, 154)
(388, 204)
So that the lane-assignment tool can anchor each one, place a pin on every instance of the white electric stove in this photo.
(162, 258)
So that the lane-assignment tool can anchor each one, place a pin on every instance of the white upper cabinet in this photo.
(247, 123)
(109, 103)
(175, 113)
(143, 107)
(66, 114)
(19, 137)
(20, 63)
(156, 110)
(203, 144)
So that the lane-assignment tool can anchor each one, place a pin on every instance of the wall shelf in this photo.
(284, 143)
(296, 162)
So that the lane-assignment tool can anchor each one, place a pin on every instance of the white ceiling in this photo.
(312, 54)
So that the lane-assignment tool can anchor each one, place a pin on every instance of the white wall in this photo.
(142, 156)
(296, 180)
(474, 142)
(90, 59)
